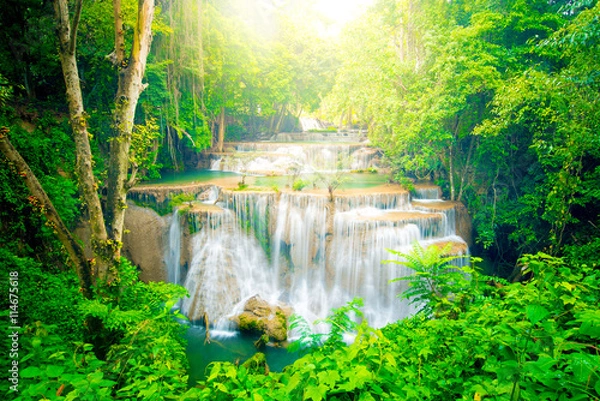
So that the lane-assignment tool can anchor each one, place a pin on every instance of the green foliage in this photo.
(54, 292)
(146, 359)
(511, 341)
(53, 370)
(181, 199)
(341, 321)
(299, 184)
(435, 281)
(144, 148)
(47, 147)
(495, 101)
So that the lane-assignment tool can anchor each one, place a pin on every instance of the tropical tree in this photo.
(106, 220)
(551, 112)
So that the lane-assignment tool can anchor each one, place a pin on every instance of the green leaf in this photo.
(54, 371)
(425, 351)
(30, 371)
(536, 313)
(584, 366)
(590, 323)
(294, 381)
(316, 393)
(328, 378)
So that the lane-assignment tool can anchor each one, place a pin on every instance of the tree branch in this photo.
(75, 26)
(118, 55)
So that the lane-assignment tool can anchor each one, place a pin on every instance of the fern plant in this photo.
(436, 281)
(342, 320)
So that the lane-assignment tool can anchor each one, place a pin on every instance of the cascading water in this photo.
(278, 158)
(228, 265)
(309, 123)
(173, 250)
(302, 249)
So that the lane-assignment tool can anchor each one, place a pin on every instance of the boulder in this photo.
(263, 318)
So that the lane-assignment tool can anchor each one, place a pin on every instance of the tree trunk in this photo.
(221, 134)
(128, 93)
(451, 173)
(87, 184)
(465, 171)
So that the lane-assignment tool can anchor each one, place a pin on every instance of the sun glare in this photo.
(342, 11)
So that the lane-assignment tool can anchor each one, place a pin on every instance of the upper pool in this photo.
(349, 180)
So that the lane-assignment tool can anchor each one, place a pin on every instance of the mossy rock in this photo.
(251, 323)
(265, 319)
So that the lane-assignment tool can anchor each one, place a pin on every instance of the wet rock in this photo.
(263, 318)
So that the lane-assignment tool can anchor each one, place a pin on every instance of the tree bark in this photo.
(130, 87)
(451, 173)
(67, 44)
(119, 52)
(221, 133)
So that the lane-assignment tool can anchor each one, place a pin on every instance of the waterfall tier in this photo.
(311, 250)
(297, 249)
(293, 158)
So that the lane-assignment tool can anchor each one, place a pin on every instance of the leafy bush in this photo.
(299, 184)
(435, 280)
(49, 296)
(146, 359)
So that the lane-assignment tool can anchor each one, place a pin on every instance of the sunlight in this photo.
(342, 11)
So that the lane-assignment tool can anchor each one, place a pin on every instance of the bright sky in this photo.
(342, 11)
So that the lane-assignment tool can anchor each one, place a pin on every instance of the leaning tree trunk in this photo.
(131, 73)
(40, 199)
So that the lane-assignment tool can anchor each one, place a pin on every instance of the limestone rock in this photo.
(261, 317)
(144, 242)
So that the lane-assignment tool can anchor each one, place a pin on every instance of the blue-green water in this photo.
(189, 176)
(236, 348)
(349, 180)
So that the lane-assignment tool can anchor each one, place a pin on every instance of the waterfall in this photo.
(309, 123)
(377, 200)
(173, 250)
(358, 249)
(278, 158)
(299, 253)
(427, 193)
(228, 266)
(300, 248)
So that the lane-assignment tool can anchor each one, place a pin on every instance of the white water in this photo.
(228, 266)
(309, 123)
(173, 250)
(290, 248)
(276, 158)
(300, 249)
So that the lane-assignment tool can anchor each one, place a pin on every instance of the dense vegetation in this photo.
(496, 101)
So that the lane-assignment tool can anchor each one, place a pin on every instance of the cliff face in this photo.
(144, 242)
